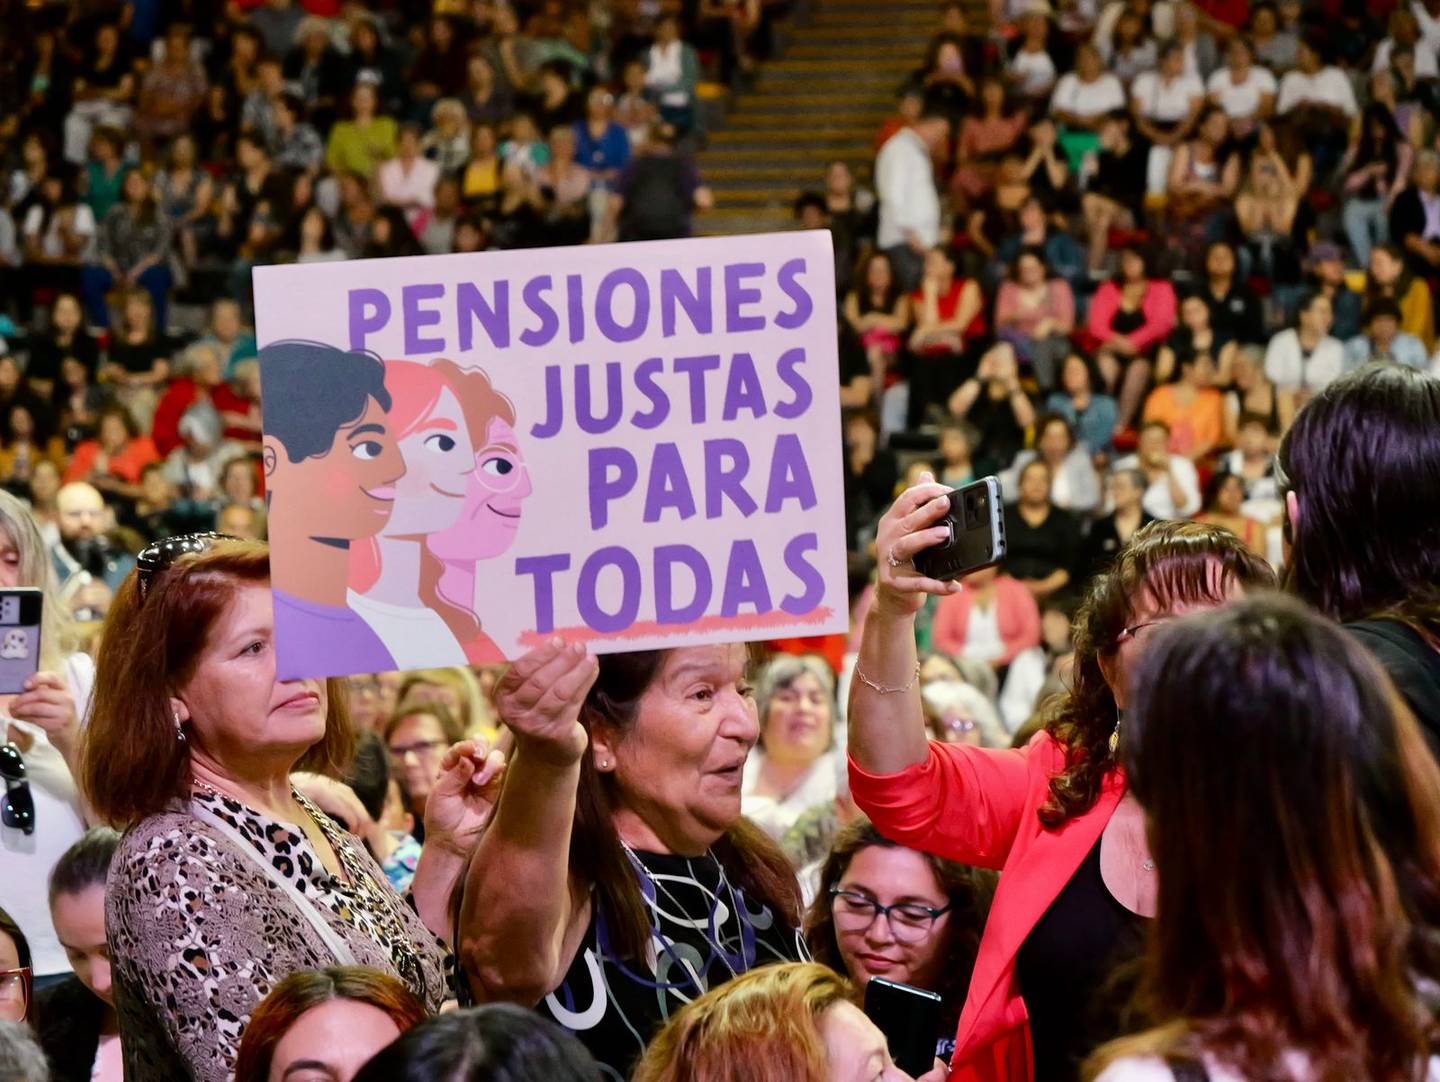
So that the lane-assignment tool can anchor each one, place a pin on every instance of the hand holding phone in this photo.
(910, 1019)
(976, 533)
(20, 611)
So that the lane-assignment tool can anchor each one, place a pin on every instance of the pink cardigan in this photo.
(1017, 616)
(978, 806)
(1158, 308)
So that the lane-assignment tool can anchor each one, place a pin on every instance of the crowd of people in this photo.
(1128, 810)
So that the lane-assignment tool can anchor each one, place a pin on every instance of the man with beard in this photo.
(85, 542)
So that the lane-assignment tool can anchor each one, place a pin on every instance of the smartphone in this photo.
(909, 1018)
(20, 611)
(977, 533)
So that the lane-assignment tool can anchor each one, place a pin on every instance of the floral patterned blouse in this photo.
(199, 934)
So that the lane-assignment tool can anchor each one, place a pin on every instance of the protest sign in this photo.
(637, 446)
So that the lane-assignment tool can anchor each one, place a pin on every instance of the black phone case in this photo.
(977, 533)
(909, 1018)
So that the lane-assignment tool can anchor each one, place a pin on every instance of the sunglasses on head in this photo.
(18, 808)
(155, 558)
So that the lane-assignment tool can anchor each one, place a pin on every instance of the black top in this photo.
(67, 1021)
(140, 357)
(1235, 317)
(1103, 543)
(1067, 968)
(702, 926)
(1035, 552)
(1001, 437)
(46, 354)
(1411, 663)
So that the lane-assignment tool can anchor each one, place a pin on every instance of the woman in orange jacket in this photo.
(1054, 816)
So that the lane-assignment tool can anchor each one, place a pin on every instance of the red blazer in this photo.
(1017, 617)
(978, 806)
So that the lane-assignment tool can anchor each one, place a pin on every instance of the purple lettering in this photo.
(695, 368)
(534, 294)
(666, 559)
(669, 487)
(555, 403)
(812, 580)
(804, 306)
(543, 568)
(584, 406)
(744, 581)
(789, 475)
(675, 291)
(742, 389)
(369, 311)
(790, 360)
(737, 294)
(603, 486)
(645, 373)
(471, 305)
(594, 616)
(575, 300)
(726, 464)
(416, 317)
(605, 300)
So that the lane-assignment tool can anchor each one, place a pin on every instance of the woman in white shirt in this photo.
(43, 727)
(797, 764)
(1166, 103)
(1083, 98)
(1312, 957)
(1245, 90)
(1303, 359)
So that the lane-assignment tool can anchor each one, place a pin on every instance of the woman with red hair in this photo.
(453, 431)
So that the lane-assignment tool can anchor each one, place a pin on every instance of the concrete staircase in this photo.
(824, 98)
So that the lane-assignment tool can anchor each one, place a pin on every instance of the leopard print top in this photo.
(198, 934)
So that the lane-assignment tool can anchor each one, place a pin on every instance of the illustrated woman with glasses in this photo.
(40, 811)
(227, 879)
(441, 416)
(1078, 884)
(882, 910)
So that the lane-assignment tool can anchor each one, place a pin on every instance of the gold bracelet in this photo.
(881, 688)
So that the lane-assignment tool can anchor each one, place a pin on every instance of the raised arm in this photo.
(519, 903)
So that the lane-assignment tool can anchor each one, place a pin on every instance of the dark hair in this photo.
(1155, 422)
(1217, 481)
(22, 945)
(1381, 308)
(1294, 749)
(1173, 561)
(968, 889)
(1250, 417)
(369, 774)
(810, 200)
(132, 430)
(598, 860)
(1033, 251)
(310, 988)
(450, 725)
(862, 285)
(312, 390)
(131, 765)
(1388, 150)
(1049, 418)
(1363, 460)
(497, 1043)
(1097, 385)
(85, 864)
(938, 42)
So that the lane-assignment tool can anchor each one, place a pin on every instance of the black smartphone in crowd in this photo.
(20, 612)
(909, 1018)
(977, 533)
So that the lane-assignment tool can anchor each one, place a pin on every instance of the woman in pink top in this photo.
(991, 619)
(1077, 883)
(1129, 318)
(1036, 313)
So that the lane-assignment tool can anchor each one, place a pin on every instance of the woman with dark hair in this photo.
(877, 315)
(325, 1023)
(134, 251)
(15, 974)
(1129, 318)
(1361, 472)
(985, 135)
(64, 337)
(1081, 401)
(227, 879)
(1374, 169)
(498, 1043)
(1077, 881)
(1316, 956)
(75, 1019)
(618, 847)
(943, 78)
(882, 910)
(1074, 484)
(390, 235)
(1035, 312)
(1200, 186)
(1224, 497)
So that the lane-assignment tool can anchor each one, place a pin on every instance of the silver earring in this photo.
(179, 732)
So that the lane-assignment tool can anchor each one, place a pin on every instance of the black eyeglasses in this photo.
(18, 809)
(909, 922)
(155, 558)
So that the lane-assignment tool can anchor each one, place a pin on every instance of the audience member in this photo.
(1074, 485)
(1172, 483)
(992, 619)
(1223, 506)
(1041, 539)
(1384, 341)
(1303, 359)
(326, 1023)
(909, 204)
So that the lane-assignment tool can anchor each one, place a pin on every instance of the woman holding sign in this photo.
(1078, 886)
(618, 880)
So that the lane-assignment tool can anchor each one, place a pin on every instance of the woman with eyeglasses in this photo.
(1077, 888)
(41, 814)
(416, 739)
(15, 973)
(883, 910)
(227, 878)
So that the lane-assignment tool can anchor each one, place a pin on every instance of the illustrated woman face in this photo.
(438, 455)
(495, 494)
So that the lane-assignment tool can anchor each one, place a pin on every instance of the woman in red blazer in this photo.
(1054, 817)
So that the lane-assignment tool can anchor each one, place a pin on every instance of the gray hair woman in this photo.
(794, 767)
